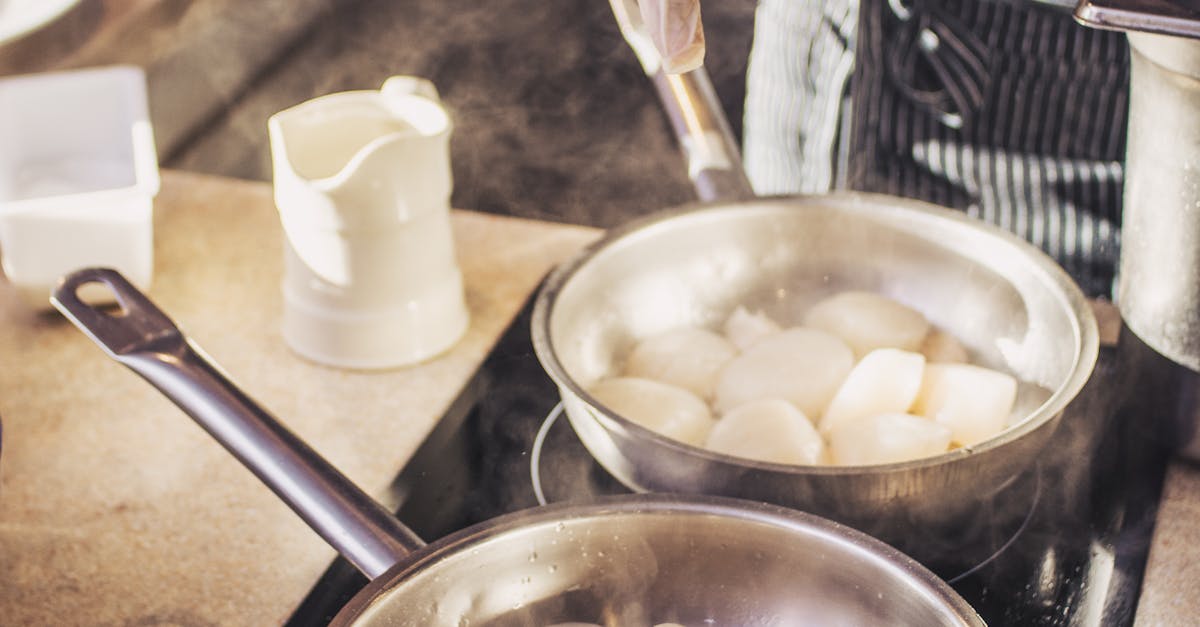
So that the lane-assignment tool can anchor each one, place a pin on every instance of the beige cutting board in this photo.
(116, 509)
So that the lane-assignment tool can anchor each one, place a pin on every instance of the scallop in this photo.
(744, 328)
(686, 357)
(867, 321)
(800, 365)
(887, 438)
(770, 430)
(886, 381)
(665, 409)
(973, 401)
(941, 347)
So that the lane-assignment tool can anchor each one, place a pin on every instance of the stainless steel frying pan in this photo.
(636, 560)
(1011, 304)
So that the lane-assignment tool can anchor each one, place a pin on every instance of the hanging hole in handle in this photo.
(93, 287)
(133, 324)
(100, 296)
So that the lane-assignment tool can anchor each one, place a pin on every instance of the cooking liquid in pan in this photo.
(1064, 543)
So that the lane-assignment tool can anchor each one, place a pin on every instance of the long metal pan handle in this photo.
(697, 119)
(143, 338)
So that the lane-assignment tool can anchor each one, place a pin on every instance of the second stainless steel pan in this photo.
(638, 560)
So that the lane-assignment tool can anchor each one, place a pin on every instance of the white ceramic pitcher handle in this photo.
(409, 86)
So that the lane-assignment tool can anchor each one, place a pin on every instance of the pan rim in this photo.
(844, 537)
(1050, 274)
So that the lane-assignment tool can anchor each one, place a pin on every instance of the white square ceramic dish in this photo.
(78, 176)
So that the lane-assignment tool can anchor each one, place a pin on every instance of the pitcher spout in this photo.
(362, 150)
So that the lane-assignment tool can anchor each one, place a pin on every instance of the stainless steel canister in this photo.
(1159, 280)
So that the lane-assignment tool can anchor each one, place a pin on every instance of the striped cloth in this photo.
(1006, 110)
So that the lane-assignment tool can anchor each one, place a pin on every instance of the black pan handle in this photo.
(139, 335)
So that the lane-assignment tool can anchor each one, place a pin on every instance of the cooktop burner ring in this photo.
(1037, 495)
(535, 453)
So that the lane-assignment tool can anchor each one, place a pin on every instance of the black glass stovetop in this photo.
(1069, 550)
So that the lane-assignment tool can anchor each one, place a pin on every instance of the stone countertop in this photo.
(1171, 588)
(555, 119)
(199, 55)
(116, 509)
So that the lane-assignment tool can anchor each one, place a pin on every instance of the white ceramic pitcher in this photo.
(362, 184)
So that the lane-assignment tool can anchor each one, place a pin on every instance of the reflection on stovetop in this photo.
(1065, 544)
